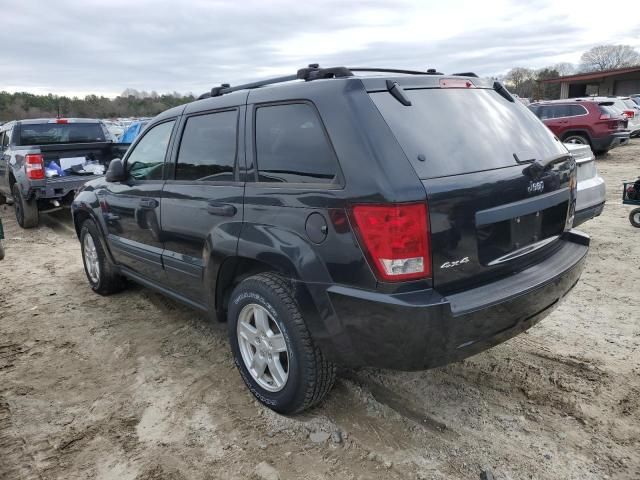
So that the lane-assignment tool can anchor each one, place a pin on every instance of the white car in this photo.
(592, 191)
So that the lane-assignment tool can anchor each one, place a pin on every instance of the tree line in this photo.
(526, 82)
(131, 103)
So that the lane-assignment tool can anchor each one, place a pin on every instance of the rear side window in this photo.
(560, 111)
(460, 131)
(291, 146)
(53, 133)
(208, 147)
(577, 110)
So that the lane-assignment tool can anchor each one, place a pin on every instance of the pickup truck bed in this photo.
(33, 171)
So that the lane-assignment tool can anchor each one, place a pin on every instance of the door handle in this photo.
(222, 209)
(148, 203)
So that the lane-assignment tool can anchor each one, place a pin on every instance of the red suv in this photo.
(598, 124)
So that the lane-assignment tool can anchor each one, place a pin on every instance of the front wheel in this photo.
(99, 269)
(272, 347)
(634, 217)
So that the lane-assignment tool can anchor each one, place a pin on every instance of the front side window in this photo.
(6, 138)
(291, 146)
(208, 147)
(147, 158)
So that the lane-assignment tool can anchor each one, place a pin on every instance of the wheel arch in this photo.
(81, 215)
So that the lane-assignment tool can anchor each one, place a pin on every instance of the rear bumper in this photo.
(610, 141)
(588, 213)
(589, 199)
(420, 330)
(58, 187)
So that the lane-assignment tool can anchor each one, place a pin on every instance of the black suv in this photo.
(400, 220)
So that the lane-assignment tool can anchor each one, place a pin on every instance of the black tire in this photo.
(1, 250)
(310, 375)
(576, 138)
(108, 280)
(634, 217)
(26, 210)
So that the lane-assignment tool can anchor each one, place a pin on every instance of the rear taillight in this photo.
(62, 120)
(396, 239)
(629, 113)
(34, 165)
(605, 116)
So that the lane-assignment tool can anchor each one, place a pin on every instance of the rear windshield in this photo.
(52, 133)
(629, 103)
(610, 109)
(465, 130)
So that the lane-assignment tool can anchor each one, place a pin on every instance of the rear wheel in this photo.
(272, 347)
(575, 138)
(634, 217)
(101, 273)
(26, 210)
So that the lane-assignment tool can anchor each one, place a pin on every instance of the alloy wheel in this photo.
(91, 259)
(263, 347)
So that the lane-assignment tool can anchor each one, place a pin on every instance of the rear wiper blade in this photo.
(538, 166)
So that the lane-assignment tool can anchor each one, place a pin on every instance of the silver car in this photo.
(592, 190)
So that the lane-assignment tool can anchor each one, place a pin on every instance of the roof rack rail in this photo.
(465, 74)
(308, 74)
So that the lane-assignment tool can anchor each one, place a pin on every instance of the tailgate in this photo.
(493, 207)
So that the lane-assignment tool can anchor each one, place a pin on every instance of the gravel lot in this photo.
(135, 386)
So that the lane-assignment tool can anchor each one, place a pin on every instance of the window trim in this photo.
(337, 184)
(568, 104)
(167, 154)
(173, 162)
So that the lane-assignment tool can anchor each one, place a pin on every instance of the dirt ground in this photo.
(135, 386)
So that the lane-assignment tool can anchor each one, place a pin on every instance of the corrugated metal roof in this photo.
(592, 75)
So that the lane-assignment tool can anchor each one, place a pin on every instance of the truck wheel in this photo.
(26, 210)
(272, 347)
(101, 273)
(634, 217)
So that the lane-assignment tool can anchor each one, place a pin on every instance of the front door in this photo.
(132, 208)
(5, 138)
(202, 203)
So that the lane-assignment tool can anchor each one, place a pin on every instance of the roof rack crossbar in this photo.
(465, 74)
(431, 71)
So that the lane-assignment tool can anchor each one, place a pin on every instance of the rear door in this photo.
(557, 118)
(132, 208)
(202, 201)
(491, 211)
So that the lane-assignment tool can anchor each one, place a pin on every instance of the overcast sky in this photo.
(96, 46)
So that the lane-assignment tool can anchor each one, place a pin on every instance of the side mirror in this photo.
(116, 172)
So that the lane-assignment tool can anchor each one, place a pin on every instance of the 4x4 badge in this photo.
(455, 263)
